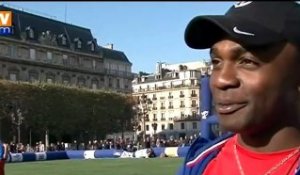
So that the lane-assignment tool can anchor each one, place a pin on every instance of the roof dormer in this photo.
(63, 39)
(78, 43)
(92, 45)
(29, 32)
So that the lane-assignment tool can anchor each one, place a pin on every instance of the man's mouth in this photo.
(229, 108)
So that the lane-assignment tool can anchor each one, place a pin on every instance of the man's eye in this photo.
(215, 62)
(247, 61)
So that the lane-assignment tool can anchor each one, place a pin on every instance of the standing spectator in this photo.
(12, 147)
(41, 147)
(147, 142)
(3, 156)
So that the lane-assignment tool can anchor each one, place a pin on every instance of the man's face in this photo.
(253, 89)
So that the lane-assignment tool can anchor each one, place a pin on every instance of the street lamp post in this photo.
(17, 119)
(143, 102)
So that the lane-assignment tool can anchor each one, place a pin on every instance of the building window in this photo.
(194, 103)
(13, 76)
(63, 39)
(170, 95)
(65, 59)
(194, 93)
(194, 113)
(182, 115)
(66, 81)
(154, 106)
(94, 84)
(192, 74)
(30, 32)
(194, 125)
(147, 127)
(154, 117)
(192, 82)
(94, 64)
(163, 127)
(162, 117)
(32, 54)
(79, 44)
(181, 94)
(109, 82)
(171, 126)
(182, 104)
(181, 125)
(118, 83)
(92, 46)
(49, 80)
(81, 82)
(33, 76)
(50, 77)
(162, 106)
(49, 55)
(154, 97)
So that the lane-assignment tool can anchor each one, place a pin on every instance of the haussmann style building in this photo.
(169, 99)
(46, 50)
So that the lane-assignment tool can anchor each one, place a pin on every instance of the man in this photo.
(3, 156)
(255, 84)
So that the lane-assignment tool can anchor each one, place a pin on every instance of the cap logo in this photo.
(241, 4)
(236, 30)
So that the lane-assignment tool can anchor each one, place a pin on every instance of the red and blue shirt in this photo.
(217, 158)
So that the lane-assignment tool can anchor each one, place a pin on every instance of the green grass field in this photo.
(140, 166)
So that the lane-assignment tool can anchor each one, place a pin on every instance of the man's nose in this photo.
(225, 77)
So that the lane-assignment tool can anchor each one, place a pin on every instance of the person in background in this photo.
(255, 84)
(3, 156)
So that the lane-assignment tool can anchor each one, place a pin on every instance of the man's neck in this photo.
(284, 138)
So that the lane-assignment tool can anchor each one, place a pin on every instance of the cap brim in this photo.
(203, 31)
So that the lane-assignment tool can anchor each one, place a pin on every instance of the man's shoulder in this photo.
(200, 154)
(199, 151)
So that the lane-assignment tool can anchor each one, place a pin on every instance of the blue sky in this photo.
(147, 32)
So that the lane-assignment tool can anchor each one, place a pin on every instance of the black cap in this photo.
(251, 23)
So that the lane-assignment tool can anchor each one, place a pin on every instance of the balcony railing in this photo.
(68, 64)
(194, 95)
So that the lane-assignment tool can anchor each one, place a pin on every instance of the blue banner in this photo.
(205, 97)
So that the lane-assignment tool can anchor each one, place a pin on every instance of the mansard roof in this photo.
(40, 25)
(115, 55)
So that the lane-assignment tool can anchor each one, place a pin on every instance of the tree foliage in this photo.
(67, 113)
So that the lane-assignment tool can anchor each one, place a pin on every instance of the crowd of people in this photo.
(118, 143)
